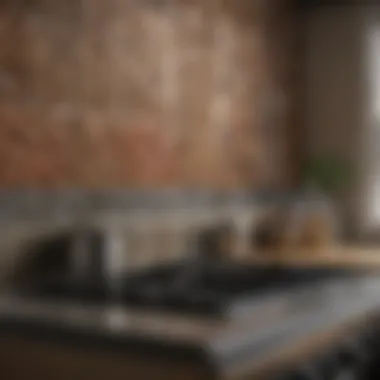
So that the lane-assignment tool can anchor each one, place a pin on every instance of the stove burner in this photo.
(215, 290)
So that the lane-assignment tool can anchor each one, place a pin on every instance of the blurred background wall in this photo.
(155, 93)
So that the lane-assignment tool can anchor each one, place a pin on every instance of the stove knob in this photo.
(351, 361)
(359, 350)
(371, 339)
(327, 366)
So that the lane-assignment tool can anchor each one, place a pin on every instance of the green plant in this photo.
(328, 172)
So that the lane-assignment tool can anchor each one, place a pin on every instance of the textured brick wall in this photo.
(141, 93)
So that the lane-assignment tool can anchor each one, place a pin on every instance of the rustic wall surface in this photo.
(145, 93)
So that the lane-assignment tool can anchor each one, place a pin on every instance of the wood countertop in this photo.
(336, 256)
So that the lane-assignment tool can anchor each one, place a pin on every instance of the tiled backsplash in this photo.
(39, 204)
(143, 227)
(150, 226)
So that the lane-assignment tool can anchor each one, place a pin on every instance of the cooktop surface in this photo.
(221, 289)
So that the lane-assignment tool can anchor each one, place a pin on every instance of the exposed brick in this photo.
(123, 93)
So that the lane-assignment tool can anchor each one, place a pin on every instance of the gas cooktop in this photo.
(218, 289)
